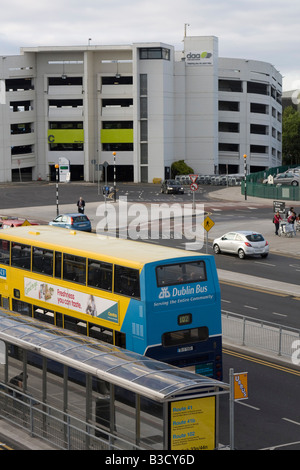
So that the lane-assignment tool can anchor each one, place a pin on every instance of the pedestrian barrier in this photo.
(266, 336)
(58, 429)
(270, 191)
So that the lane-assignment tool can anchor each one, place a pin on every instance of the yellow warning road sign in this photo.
(208, 223)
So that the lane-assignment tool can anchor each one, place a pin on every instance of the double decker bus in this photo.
(162, 302)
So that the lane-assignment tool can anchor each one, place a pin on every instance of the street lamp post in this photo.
(115, 183)
(56, 177)
(245, 175)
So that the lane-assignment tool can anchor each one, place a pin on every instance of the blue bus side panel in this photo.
(146, 321)
(165, 304)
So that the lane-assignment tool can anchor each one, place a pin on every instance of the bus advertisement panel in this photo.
(72, 299)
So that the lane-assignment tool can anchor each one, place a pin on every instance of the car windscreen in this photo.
(255, 237)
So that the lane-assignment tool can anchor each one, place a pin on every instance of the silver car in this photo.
(291, 178)
(242, 243)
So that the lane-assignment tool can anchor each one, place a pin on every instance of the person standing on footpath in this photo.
(291, 220)
(81, 205)
(277, 219)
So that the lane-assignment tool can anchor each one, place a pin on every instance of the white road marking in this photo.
(291, 421)
(265, 264)
(279, 314)
(246, 404)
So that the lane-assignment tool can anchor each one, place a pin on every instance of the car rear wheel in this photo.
(264, 255)
(216, 249)
(295, 183)
(241, 254)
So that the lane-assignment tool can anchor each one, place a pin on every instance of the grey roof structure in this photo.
(150, 378)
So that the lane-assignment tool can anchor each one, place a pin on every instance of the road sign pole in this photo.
(193, 187)
(115, 178)
(231, 409)
(245, 175)
(56, 178)
(207, 224)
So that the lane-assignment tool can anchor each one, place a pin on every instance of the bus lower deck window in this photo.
(192, 335)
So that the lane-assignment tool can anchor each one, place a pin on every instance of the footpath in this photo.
(278, 245)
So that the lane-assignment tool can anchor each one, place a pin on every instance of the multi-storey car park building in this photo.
(150, 104)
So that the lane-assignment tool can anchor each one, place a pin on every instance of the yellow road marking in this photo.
(262, 362)
(264, 291)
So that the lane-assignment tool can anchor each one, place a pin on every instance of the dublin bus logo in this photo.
(164, 294)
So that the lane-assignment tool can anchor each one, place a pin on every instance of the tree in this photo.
(180, 168)
(291, 136)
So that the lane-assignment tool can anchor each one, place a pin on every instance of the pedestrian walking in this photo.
(277, 218)
(81, 205)
(289, 212)
(291, 220)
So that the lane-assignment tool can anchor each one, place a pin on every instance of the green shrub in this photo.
(180, 168)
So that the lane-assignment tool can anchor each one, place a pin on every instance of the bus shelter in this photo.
(119, 395)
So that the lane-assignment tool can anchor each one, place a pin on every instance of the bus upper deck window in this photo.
(21, 255)
(127, 281)
(42, 261)
(4, 251)
(100, 274)
(181, 273)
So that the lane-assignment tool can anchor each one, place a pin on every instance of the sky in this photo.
(266, 30)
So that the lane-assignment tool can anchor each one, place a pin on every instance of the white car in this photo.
(242, 243)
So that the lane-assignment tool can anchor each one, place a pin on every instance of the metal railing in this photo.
(266, 336)
(270, 191)
(58, 429)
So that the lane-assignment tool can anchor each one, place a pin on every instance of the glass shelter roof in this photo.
(140, 374)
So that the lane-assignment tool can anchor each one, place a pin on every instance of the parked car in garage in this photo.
(73, 221)
(242, 243)
(290, 178)
(172, 186)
